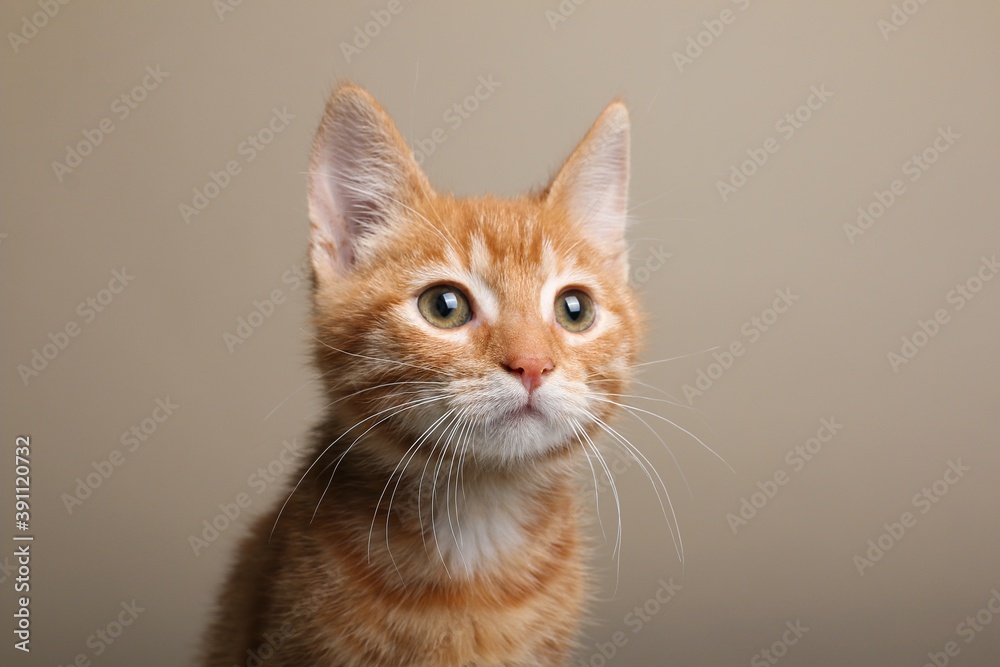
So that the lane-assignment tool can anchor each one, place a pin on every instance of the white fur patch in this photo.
(487, 525)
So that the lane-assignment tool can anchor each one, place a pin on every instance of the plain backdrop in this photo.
(759, 131)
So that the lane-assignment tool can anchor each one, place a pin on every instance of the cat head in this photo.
(492, 327)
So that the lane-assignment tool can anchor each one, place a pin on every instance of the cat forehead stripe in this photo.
(480, 260)
(550, 260)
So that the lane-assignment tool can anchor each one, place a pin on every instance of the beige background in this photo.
(784, 229)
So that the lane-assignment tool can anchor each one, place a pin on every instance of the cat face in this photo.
(460, 327)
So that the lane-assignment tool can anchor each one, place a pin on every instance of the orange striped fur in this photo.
(437, 523)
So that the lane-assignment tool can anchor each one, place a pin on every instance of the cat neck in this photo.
(453, 520)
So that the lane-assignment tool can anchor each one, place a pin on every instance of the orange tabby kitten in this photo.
(464, 345)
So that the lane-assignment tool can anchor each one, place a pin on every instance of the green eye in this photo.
(445, 306)
(575, 311)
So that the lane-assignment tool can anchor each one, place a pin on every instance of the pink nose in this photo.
(531, 370)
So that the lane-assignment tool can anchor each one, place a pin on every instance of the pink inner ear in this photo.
(593, 183)
(360, 172)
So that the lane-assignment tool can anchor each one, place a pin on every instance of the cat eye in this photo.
(444, 306)
(575, 311)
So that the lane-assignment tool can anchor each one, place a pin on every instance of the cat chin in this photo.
(526, 437)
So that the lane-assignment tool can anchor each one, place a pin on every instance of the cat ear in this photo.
(361, 174)
(592, 185)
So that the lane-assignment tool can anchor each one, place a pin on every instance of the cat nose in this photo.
(530, 369)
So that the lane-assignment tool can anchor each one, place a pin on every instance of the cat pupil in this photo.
(446, 304)
(573, 308)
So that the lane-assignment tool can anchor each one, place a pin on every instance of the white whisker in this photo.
(397, 410)
(617, 551)
(637, 454)
(680, 356)
(317, 460)
(365, 356)
(593, 473)
(447, 507)
(665, 446)
(681, 428)
(404, 461)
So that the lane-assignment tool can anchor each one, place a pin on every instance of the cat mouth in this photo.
(528, 410)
